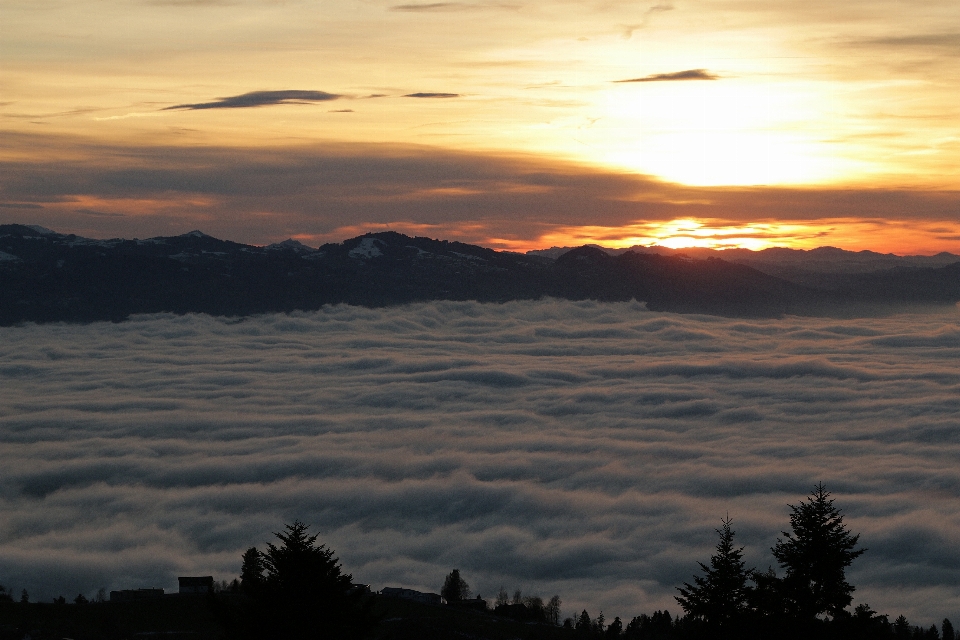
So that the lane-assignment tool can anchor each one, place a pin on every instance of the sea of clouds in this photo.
(577, 448)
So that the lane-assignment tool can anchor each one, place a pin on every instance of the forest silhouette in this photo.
(296, 589)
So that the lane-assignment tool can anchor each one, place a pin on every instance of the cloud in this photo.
(436, 7)
(94, 212)
(923, 40)
(576, 448)
(431, 6)
(689, 74)
(260, 99)
(321, 193)
(649, 13)
(20, 205)
(432, 95)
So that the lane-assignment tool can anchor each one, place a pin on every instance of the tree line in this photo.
(295, 589)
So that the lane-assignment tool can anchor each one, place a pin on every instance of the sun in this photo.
(710, 133)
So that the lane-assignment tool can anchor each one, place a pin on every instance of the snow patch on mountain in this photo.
(366, 249)
(42, 230)
(8, 257)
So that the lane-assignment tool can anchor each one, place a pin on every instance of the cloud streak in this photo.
(447, 7)
(428, 94)
(259, 99)
(676, 76)
(575, 448)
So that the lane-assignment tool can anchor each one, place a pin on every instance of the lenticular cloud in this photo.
(583, 449)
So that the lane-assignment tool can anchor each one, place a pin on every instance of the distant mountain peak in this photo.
(42, 230)
(290, 243)
(367, 248)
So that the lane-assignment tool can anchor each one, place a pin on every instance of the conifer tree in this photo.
(815, 555)
(946, 630)
(302, 592)
(251, 571)
(455, 588)
(720, 596)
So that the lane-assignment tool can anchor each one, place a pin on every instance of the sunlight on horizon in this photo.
(881, 236)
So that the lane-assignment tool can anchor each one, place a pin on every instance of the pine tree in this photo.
(455, 588)
(946, 630)
(584, 623)
(251, 571)
(615, 630)
(302, 593)
(901, 628)
(719, 597)
(815, 556)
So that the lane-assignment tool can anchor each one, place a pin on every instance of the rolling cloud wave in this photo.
(575, 448)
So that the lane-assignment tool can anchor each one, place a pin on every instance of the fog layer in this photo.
(582, 449)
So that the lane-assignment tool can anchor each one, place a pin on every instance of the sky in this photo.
(515, 125)
(583, 449)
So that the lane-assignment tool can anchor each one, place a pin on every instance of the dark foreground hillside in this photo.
(50, 277)
(175, 617)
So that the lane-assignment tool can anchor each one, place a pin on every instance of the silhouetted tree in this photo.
(59, 600)
(720, 597)
(766, 596)
(81, 599)
(251, 571)
(901, 628)
(455, 588)
(615, 630)
(24, 596)
(101, 595)
(584, 623)
(552, 610)
(5, 595)
(502, 597)
(815, 556)
(659, 626)
(302, 593)
(946, 630)
(599, 624)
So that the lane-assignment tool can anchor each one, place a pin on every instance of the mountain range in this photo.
(47, 276)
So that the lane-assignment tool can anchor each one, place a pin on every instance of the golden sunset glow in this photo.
(852, 234)
(707, 94)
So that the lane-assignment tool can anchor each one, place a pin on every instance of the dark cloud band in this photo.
(689, 74)
(432, 95)
(260, 99)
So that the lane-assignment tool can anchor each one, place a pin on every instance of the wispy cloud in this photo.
(434, 7)
(937, 40)
(628, 29)
(19, 205)
(99, 214)
(197, 3)
(432, 95)
(689, 74)
(260, 99)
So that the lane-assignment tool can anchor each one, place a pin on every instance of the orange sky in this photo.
(516, 125)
